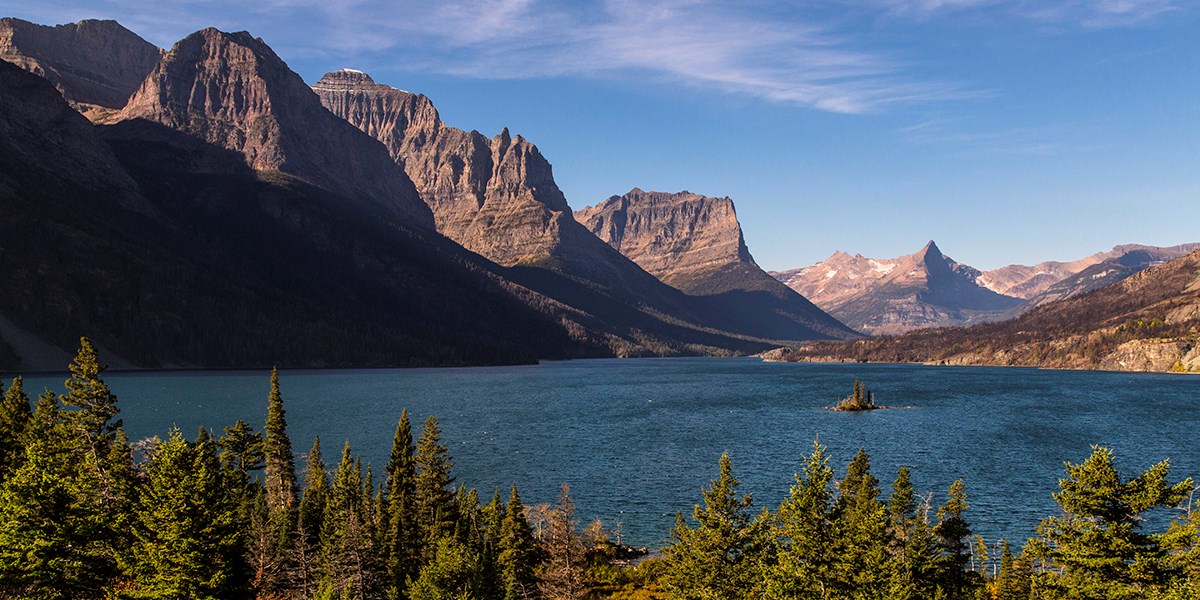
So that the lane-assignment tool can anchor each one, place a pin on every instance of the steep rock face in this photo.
(890, 296)
(695, 244)
(91, 62)
(497, 197)
(231, 90)
(1148, 321)
(168, 251)
(675, 237)
(494, 196)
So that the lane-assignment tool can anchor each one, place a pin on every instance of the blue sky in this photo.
(1009, 131)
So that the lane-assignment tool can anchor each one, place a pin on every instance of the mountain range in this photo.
(1149, 321)
(226, 214)
(929, 289)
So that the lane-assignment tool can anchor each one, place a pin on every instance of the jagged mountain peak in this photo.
(887, 296)
(231, 90)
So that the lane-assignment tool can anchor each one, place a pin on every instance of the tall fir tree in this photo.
(722, 556)
(187, 533)
(280, 464)
(306, 549)
(348, 565)
(519, 555)
(805, 558)
(433, 496)
(15, 414)
(401, 547)
(954, 538)
(860, 532)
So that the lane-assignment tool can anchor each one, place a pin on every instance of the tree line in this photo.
(85, 513)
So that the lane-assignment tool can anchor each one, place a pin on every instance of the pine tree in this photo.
(954, 538)
(242, 449)
(805, 554)
(348, 567)
(563, 573)
(50, 530)
(401, 539)
(455, 572)
(306, 549)
(15, 414)
(860, 532)
(95, 404)
(187, 533)
(1097, 544)
(722, 556)
(434, 501)
(518, 558)
(280, 464)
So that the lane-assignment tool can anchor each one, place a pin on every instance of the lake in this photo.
(637, 438)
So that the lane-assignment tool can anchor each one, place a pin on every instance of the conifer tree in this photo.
(954, 538)
(280, 464)
(347, 549)
(242, 449)
(722, 556)
(860, 532)
(805, 555)
(15, 414)
(50, 530)
(455, 572)
(518, 557)
(401, 539)
(434, 501)
(1097, 544)
(187, 533)
(306, 550)
(563, 574)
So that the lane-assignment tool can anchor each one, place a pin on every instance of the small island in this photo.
(861, 399)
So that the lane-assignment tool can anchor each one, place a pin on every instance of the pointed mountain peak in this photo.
(930, 247)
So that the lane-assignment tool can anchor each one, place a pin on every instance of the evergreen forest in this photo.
(86, 513)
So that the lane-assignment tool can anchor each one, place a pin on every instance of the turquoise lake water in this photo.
(636, 439)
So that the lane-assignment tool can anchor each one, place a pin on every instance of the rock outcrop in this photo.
(92, 63)
(890, 296)
(231, 90)
(679, 238)
(497, 196)
(695, 244)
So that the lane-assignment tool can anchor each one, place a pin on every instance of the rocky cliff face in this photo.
(695, 244)
(495, 196)
(92, 63)
(890, 296)
(232, 91)
(676, 237)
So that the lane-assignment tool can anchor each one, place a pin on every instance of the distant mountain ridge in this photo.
(1050, 281)
(1149, 321)
(890, 296)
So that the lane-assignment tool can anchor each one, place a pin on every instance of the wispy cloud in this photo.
(1085, 14)
(724, 46)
